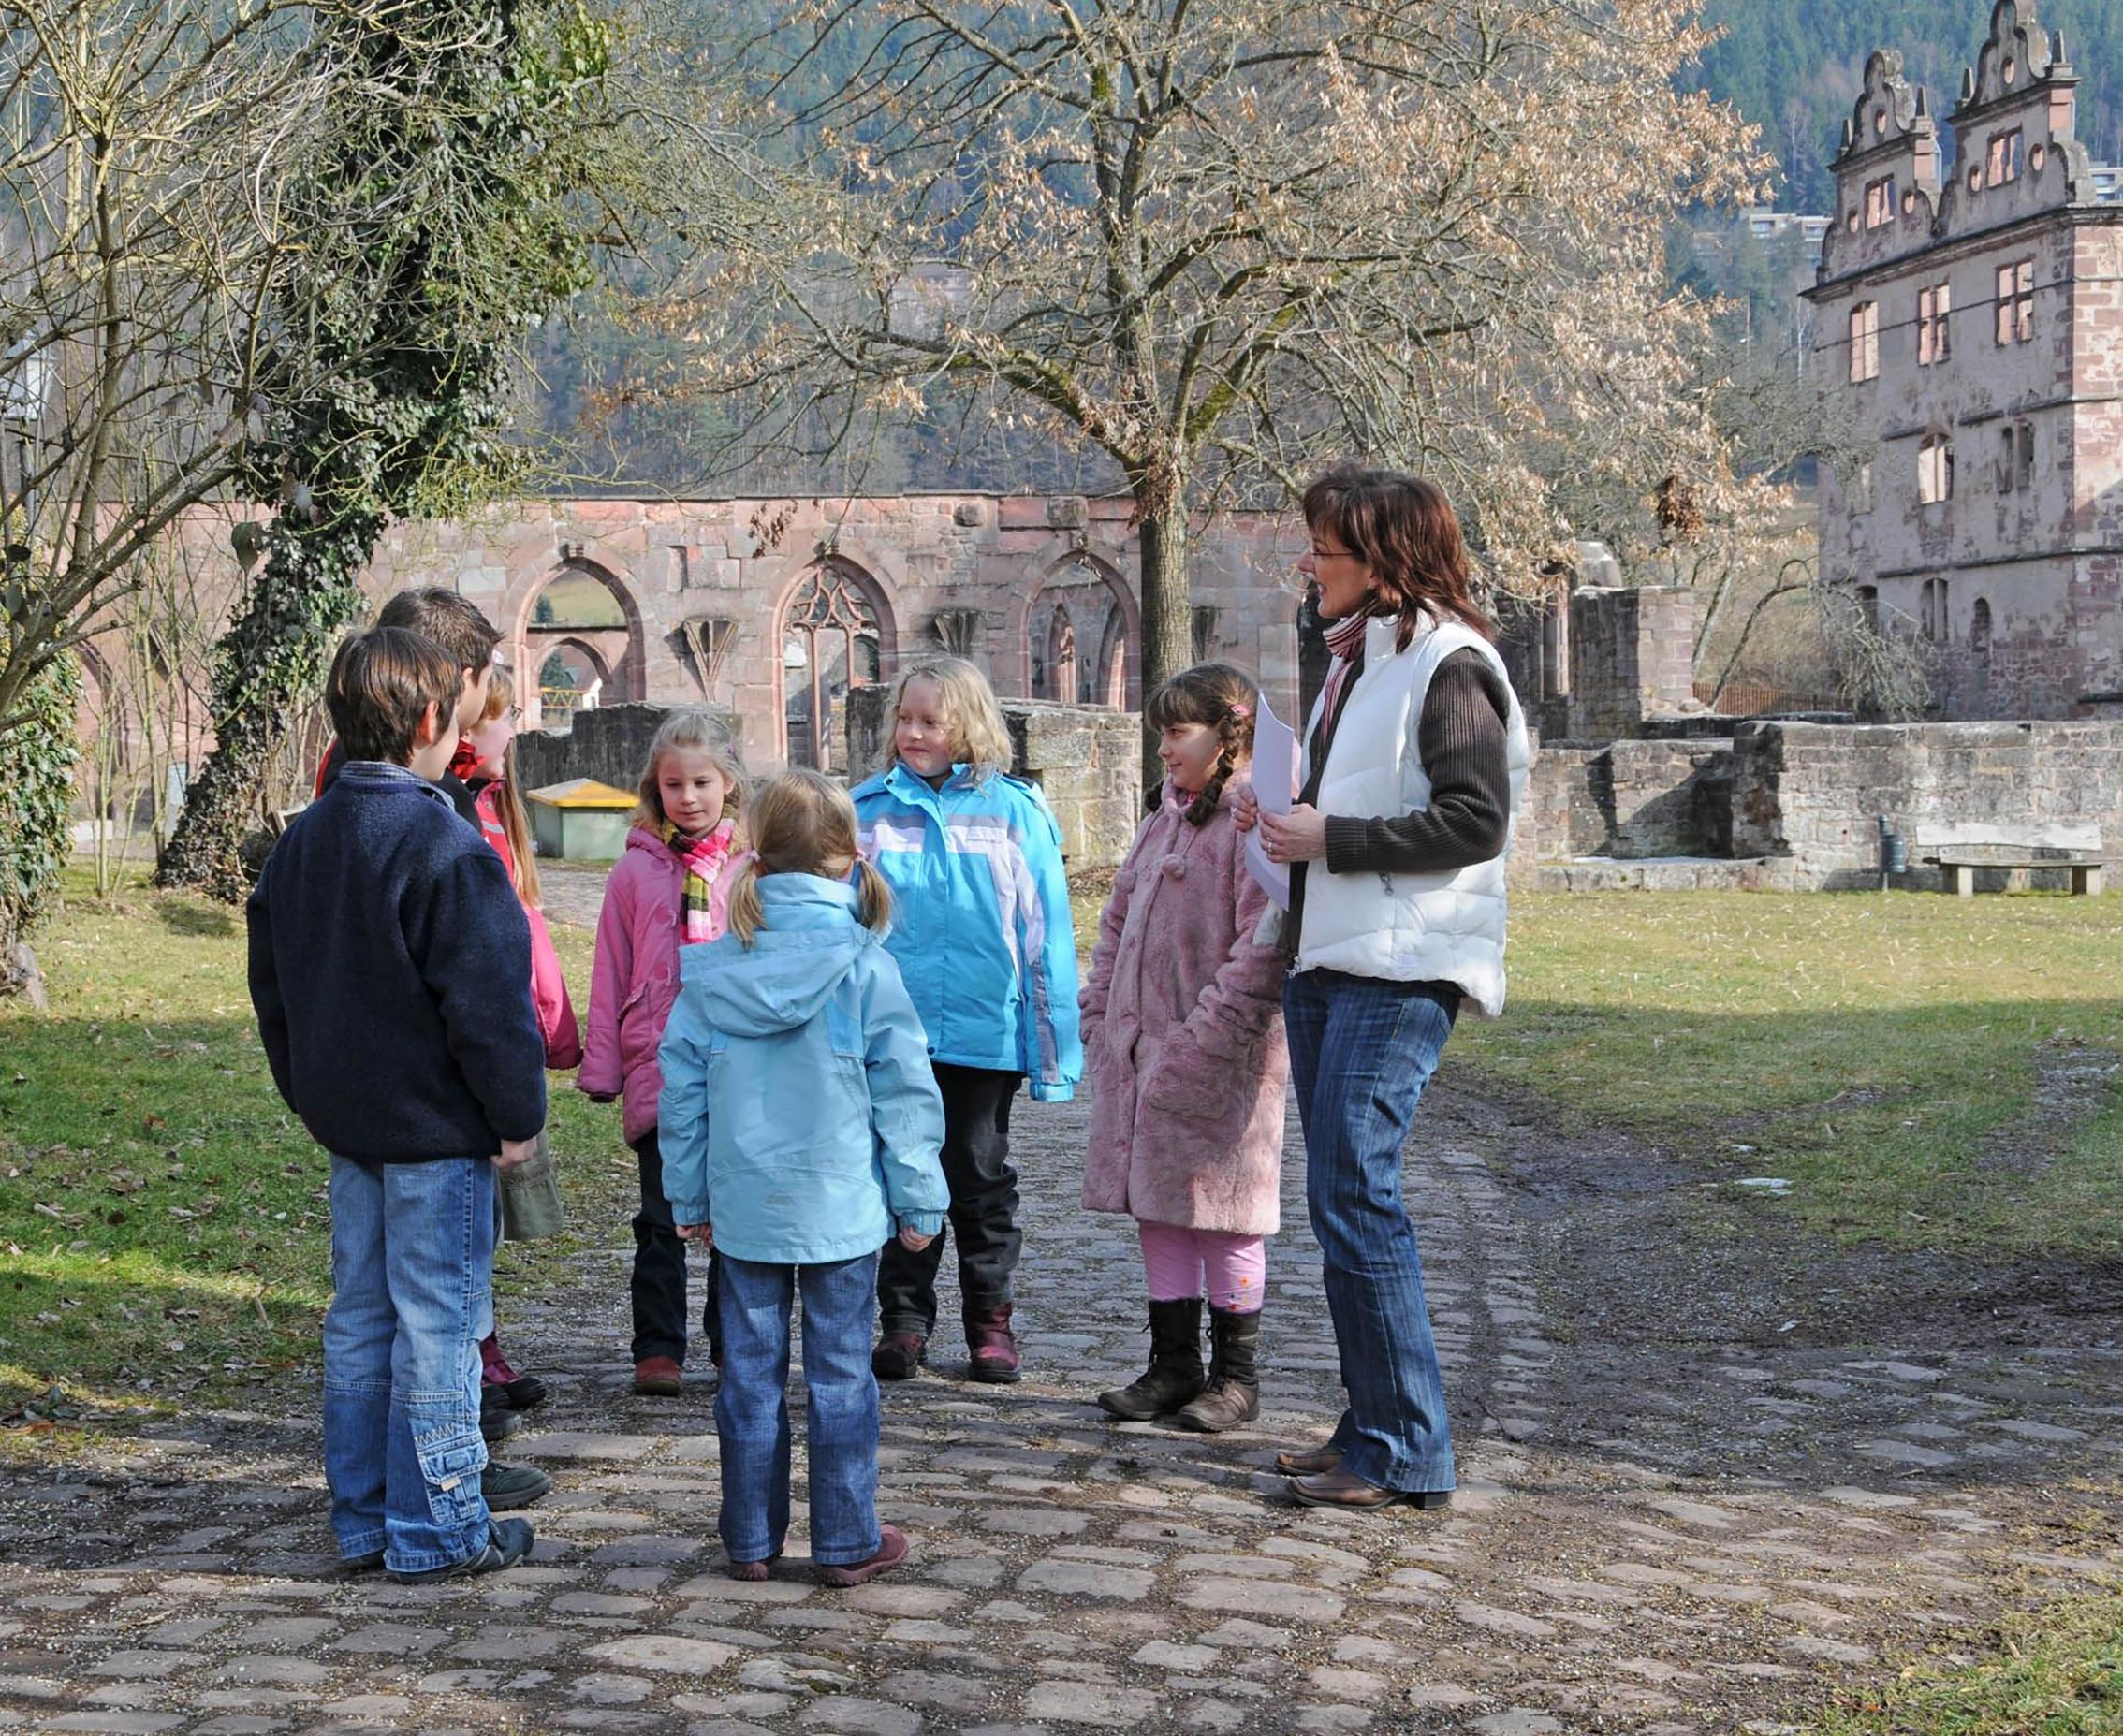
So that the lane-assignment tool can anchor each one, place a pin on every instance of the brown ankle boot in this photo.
(993, 1346)
(1233, 1395)
(1175, 1374)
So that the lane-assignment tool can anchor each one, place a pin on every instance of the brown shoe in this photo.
(891, 1551)
(658, 1376)
(1308, 1461)
(993, 1346)
(1345, 1489)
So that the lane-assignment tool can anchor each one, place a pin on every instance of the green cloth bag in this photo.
(530, 1197)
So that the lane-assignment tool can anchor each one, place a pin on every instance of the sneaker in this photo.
(994, 1346)
(898, 1355)
(361, 1564)
(510, 1486)
(751, 1573)
(497, 1425)
(658, 1376)
(500, 1381)
(508, 1540)
(891, 1551)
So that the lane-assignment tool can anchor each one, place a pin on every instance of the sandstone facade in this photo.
(1974, 329)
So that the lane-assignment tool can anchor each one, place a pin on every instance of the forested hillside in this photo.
(1794, 70)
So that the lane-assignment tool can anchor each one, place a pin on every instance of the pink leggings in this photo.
(1176, 1258)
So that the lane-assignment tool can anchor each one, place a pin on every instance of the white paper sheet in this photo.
(1275, 785)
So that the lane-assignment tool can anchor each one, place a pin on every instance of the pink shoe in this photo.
(891, 1552)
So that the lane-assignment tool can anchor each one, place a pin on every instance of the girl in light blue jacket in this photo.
(799, 1125)
(981, 928)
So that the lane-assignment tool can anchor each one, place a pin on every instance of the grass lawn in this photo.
(162, 1215)
(1882, 1053)
(2057, 1672)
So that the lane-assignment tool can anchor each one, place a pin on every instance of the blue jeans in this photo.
(751, 1407)
(412, 1260)
(1361, 1051)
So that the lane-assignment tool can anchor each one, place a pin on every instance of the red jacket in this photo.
(548, 988)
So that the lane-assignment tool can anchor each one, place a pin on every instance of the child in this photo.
(435, 612)
(669, 890)
(529, 1195)
(982, 933)
(799, 1125)
(1183, 1025)
(389, 965)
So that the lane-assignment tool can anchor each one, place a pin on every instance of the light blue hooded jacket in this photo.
(799, 1114)
(980, 919)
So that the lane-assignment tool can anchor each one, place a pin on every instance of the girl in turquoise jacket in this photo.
(799, 1125)
(982, 932)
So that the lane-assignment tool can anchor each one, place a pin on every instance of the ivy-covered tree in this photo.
(453, 203)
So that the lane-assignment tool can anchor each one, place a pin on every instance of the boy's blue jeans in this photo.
(752, 1410)
(412, 1260)
(1361, 1051)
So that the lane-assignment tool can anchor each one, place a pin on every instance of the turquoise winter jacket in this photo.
(799, 1113)
(980, 921)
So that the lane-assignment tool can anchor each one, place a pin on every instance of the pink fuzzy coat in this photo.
(1183, 1022)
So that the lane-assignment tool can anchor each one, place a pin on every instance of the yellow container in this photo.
(581, 819)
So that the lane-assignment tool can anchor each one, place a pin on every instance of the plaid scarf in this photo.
(705, 858)
(1344, 639)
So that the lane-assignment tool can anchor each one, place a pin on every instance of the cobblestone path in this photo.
(1692, 1530)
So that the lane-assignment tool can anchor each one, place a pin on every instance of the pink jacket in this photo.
(635, 976)
(1182, 1020)
(548, 988)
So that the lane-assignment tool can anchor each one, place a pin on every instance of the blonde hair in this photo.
(979, 737)
(508, 804)
(691, 729)
(802, 823)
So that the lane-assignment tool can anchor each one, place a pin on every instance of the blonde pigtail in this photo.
(875, 895)
(744, 915)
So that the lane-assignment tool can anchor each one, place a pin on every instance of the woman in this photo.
(1414, 755)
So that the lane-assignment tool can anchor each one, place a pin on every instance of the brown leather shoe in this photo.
(658, 1376)
(1345, 1489)
(1308, 1461)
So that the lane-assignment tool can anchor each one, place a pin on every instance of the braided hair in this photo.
(1224, 699)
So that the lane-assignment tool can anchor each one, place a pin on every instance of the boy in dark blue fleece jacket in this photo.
(389, 965)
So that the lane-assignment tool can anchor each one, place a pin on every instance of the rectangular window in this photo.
(2004, 164)
(1935, 470)
(2015, 302)
(1857, 488)
(1878, 202)
(1934, 331)
(1864, 341)
(2016, 457)
(1936, 621)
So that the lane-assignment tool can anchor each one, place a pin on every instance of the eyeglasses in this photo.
(1334, 554)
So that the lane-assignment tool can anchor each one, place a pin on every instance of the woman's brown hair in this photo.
(508, 802)
(1224, 699)
(1406, 531)
(802, 823)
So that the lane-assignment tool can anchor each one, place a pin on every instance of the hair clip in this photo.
(1241, 710)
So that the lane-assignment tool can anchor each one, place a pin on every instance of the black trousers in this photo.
(983, 1206)
(659, 1271)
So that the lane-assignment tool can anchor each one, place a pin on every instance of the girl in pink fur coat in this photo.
(1183, 1036)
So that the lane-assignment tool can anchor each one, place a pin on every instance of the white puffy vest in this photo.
(1406, 927)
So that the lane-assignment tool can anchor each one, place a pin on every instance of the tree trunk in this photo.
(1168, 616)
(265, 665)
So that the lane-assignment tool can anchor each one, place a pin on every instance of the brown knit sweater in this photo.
(1461, 739)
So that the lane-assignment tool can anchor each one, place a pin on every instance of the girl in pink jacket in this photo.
(671, 888)
(1183, 1029)
(487, 758)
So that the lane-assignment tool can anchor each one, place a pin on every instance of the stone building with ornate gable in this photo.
(1969, 311)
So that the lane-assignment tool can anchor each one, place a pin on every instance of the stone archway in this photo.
(835, 632)
(582, 618)
(1080, 588)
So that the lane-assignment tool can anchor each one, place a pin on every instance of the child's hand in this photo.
(703, 1233)
(514, 1151)
(1246, 810)
(913, 1240)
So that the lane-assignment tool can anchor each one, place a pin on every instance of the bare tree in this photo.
(1220, 242)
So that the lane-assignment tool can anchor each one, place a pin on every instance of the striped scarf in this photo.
(1344, 638)
(705, 858)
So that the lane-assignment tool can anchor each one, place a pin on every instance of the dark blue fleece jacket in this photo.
(390, 968)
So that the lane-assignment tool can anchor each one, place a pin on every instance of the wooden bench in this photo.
(1957, 865)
